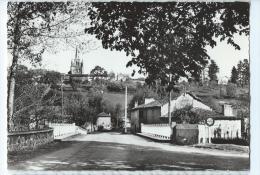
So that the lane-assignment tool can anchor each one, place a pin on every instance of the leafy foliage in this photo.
(231, 90)
(213, 70)
(167, 38)
(234, 75)
(98, 72)
(185, 115)
(242, 73)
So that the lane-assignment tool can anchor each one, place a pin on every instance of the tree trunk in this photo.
(11, 89)
(12, 73)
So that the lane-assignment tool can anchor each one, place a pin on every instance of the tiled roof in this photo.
(103, 114)
(152, 104)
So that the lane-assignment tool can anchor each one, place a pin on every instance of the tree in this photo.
(111, 75)
(240, 73)
(234, 75)
(51, 77)
(245, 72)
(167, 38)
(98, 72)
(213, 70)
(34, 27)
(186, 115)
(32, 100)
(117, 113)
(231, 90)
(140, 95)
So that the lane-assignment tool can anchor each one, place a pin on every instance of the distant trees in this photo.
(111, 75)
(98, 72)
(117, 113)
(140, 95)
(115, 87)
(213, 70)
(245, 73)
(234, 75)
(231, 90)
(241, 74)
(51, 77)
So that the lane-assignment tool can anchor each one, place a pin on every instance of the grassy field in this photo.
(113, 97)
(117, 98)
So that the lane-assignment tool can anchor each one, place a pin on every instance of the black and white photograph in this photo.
(128, 86)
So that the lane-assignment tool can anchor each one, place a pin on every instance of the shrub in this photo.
(114, 87)
(231, 90)
(236, 141)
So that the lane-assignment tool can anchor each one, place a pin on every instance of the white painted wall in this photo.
(186, 99)
(161, 130)
(164, 108)
(182, 101)
(228, 110)
(63, 130)
(229, 129)
(148, 100)
(105, 122)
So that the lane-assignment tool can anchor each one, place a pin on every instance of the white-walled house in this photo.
(104, 120)
(152, 116)
(156, 111)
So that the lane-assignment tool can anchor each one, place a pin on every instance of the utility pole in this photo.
(169, 104)
(125, 107)
(61, 97)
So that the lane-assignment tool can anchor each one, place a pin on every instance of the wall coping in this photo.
(29, 132)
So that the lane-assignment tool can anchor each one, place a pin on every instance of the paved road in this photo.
(114, 151)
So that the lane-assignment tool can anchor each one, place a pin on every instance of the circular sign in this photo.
(210, 121)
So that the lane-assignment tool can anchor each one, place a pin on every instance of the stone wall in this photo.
(28, 140)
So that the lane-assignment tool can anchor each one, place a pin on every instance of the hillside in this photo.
(117, 98)
(211, 96)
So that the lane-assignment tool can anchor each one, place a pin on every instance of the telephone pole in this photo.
(125, 107)
(61, 97)
(169, 104)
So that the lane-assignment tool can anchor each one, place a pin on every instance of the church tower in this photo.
(76, 66)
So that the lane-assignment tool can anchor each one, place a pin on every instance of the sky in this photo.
(224, 54)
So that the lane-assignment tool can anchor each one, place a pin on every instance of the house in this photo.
(156, 111)
(104, 121)
(223, 80)
(153, 113)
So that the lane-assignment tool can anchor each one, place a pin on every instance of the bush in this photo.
(114, 87)
(100, 128)
(231, 90)
(236, 141)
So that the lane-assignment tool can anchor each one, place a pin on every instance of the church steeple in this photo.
(76, 64)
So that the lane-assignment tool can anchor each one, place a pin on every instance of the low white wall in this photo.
(62, 130)
(227, 128)
(80, 130)
(161, 130)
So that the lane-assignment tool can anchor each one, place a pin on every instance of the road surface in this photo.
(114, 151)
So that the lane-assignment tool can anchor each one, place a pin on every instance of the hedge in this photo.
(236, 141)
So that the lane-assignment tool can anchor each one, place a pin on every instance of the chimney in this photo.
(148, 100)
(227, 110)
(136, 104)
